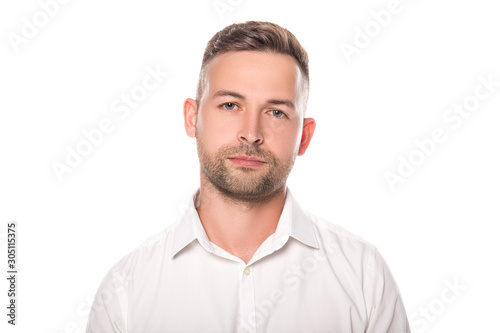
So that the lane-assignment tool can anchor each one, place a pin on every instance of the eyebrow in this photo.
(282, 102)
(224, 92)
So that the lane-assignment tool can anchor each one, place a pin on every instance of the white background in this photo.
(439, 225)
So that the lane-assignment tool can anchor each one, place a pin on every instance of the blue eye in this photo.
(277, 113)
(229, 106)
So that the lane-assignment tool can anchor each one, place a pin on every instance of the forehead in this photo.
(255, 74)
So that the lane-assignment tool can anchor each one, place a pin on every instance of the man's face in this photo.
(249, 123)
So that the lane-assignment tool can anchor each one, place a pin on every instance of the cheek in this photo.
(285, 141)
(213, 132)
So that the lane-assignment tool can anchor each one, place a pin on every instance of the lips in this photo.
(247, 161)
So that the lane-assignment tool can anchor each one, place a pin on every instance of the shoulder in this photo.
(351, 257)
(327, 231)
(154, 249)
(329, 235)
(345, 248)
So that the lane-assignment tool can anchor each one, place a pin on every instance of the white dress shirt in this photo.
(309, 276)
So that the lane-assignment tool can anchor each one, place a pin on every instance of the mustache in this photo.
(248, 150)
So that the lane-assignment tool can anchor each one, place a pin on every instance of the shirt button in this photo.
(247, 271)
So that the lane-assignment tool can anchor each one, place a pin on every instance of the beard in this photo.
(244, 184)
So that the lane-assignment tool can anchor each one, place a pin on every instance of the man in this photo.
(245, 257)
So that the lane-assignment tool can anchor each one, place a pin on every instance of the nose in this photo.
(250, 129)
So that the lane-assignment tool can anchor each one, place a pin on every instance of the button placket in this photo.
(247, 322)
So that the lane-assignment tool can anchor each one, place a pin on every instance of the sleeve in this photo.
(387, 312)
(109, 309)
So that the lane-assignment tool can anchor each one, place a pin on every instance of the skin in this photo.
(265, 121)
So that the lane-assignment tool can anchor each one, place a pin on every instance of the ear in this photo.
(307, 132)
(190, 113)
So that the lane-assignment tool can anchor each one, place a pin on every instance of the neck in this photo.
(236, 226)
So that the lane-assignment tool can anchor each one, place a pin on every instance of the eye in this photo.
(229, 106)
(278, 113)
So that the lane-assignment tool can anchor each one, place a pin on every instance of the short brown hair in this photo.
(254, 36)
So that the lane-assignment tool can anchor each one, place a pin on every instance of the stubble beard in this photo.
(243, 184)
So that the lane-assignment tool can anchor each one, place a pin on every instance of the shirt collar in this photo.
(294, 222)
